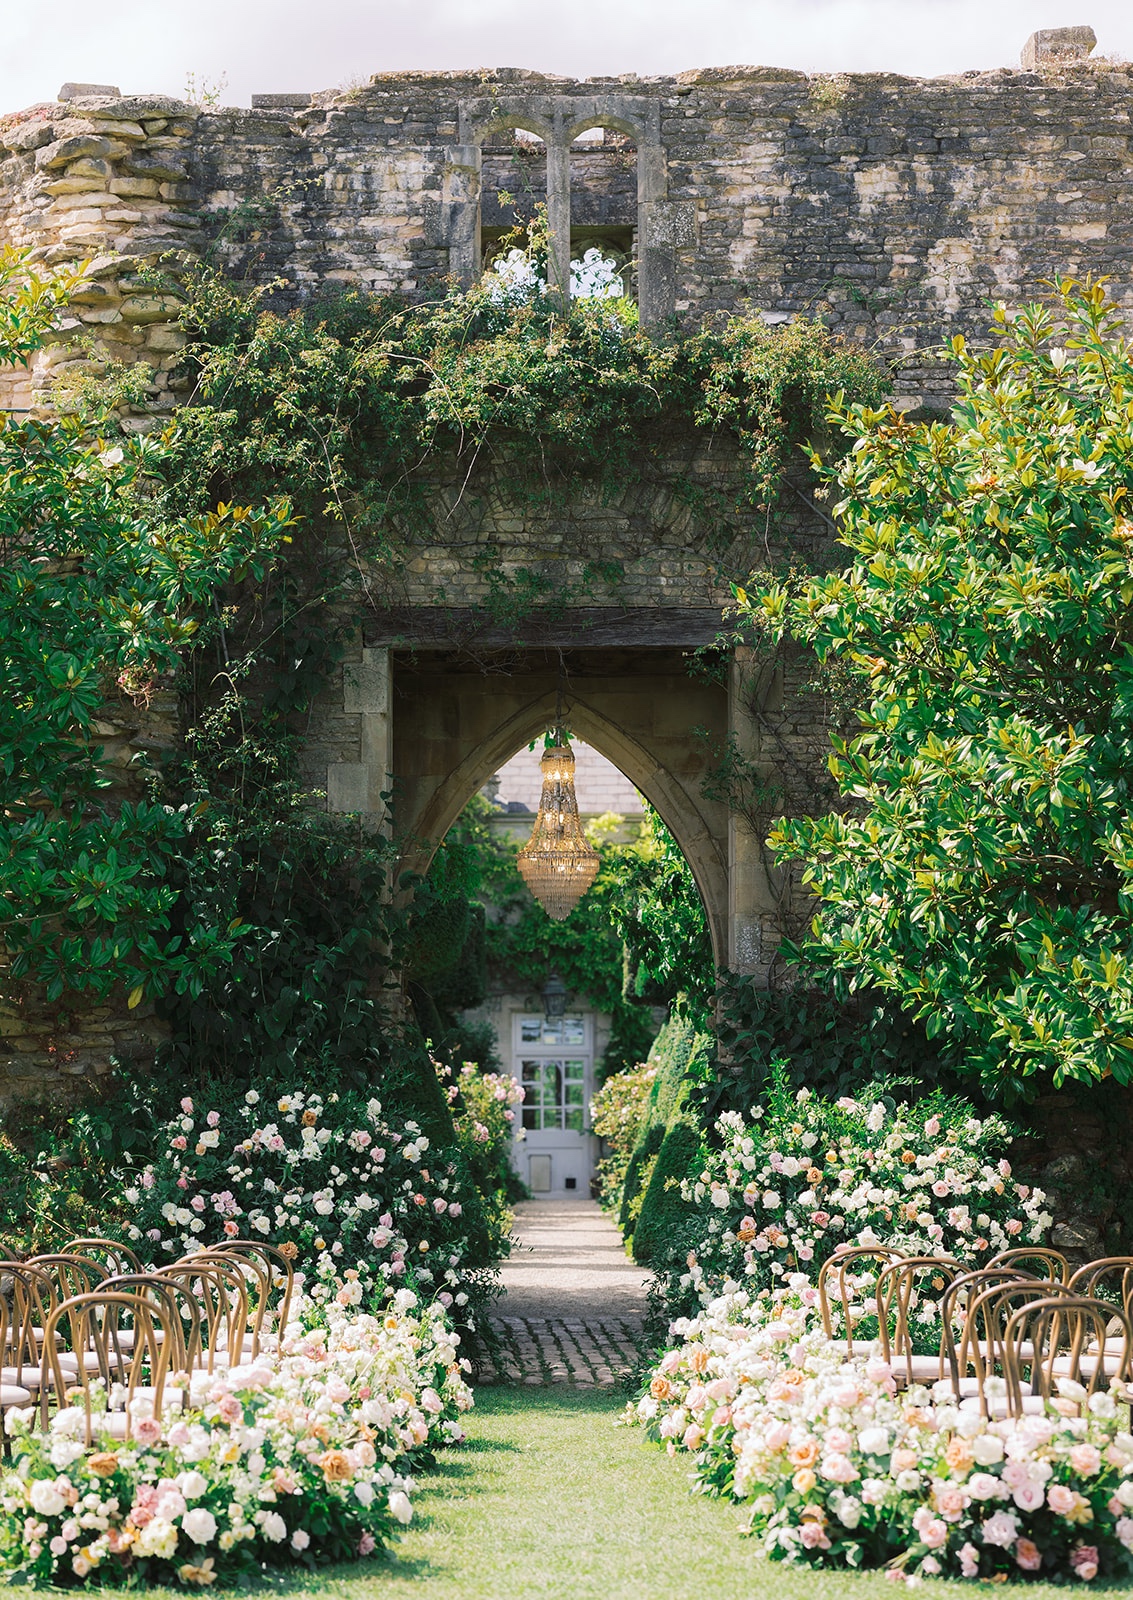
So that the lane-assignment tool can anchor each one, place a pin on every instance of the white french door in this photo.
(553, 1061)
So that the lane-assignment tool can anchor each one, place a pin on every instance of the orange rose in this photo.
(814, 1175)
(908, 1157)
(103, 1465)
(699, 1360)
(660, 1388)
(288, 1250)
(804, 1480)
(794, 1377)
(310, 1118)
(804, 1454)
(336, 1467)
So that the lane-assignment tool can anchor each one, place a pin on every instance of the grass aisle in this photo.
(549, 1501)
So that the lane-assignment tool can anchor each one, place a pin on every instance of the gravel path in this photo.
(573, 1305)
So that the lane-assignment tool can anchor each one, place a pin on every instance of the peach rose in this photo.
(804, 1480)
(660, 1388)
(803, 1454)
(959, 1455)
(103, 1465)
(336, 1466)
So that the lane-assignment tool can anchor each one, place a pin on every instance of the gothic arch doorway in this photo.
(454, 726)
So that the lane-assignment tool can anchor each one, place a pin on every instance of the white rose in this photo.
(987, 1449)
(400, 1507)
(874, 1442)
(300, 1539)
(199, 1524)
(45, 1498)
(363, 1492)
(192, 1484)
(771, 1200)
(274, 1527)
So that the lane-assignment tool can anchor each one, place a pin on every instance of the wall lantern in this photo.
(554, 994)
(558, 863)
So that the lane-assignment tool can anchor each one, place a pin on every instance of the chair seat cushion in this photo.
(14, 1394)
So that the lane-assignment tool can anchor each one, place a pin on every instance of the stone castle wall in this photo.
(895, 208)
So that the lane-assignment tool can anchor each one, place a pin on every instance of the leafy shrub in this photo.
(616, 1113)
(680, 1056)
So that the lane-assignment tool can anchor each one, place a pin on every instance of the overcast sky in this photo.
(300, 45)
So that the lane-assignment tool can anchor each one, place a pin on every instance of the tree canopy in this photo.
(980, 867)
(96, 602)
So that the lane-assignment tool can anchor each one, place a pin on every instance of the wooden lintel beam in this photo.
(584, 627)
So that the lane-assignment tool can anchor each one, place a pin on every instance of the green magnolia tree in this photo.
(97, 601)
(981, 869)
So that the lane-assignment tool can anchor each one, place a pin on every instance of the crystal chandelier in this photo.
(558, 863)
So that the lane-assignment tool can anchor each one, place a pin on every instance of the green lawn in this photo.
(549, 1501)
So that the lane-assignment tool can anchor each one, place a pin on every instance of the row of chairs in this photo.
(1010, 1335)
(91, 1312)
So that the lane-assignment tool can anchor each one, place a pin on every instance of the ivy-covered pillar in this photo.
(358, 786)
(752, 903)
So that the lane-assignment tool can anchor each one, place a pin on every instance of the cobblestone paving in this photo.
(573, 1306)
(553, 1350)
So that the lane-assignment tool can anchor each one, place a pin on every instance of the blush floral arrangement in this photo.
(799, 1176)
(838, 1468)
(364, 1204)
(300, 1457)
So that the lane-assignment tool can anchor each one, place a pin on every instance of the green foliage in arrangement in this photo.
(97, 599)
(982, 871)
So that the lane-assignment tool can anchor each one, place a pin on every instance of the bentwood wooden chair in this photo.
(904, 1288)
(1108, 1275)
(1035, 1261)
(281, 1277)
(853, 1286)
(111, 1254)
(133, 1371)
(956, 1304)
(220, 1288)
(1060, 1350)
(182, 1315)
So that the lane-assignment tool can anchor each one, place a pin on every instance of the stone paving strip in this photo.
(552, 1350)
(573, 1306)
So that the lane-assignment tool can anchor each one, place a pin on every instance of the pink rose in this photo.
(969, 1560)
(147, 1430)
(231, 1229)
(1084, 1560)
(1028, 1496)
(812, 1536)
(180, 1143)
(778, 1436)
(838, 1469)
(1084, 1458)
(1028, 1555)
(1061, 1500)
(932, 1127)
(197, 1203)
(366, 1544)
(186, 1105)
(1014, 1226)
(213, 1119)
(839, 1441)
(935, 1533)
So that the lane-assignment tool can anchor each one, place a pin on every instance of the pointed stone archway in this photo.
(430, 725)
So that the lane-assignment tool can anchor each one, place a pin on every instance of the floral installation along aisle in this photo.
(305, 1453)
(835, 1464)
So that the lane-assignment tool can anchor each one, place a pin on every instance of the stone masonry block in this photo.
(365, 684)
(348, 786)
(1050, 46)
